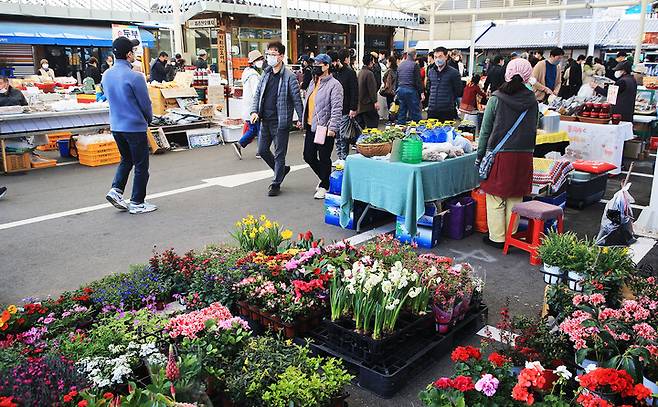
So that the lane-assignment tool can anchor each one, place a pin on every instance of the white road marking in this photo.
(638, 174)
(228, 181)
(605, 201)
(641, 247)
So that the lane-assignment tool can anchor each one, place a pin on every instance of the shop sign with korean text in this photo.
(202, 23)
(130, 31)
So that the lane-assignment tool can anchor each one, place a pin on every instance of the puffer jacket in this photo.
(250, 79)
(445, 87)
(328, 104)
(289, 97)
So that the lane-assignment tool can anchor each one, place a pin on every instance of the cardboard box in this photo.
(633, 149)
(428, 233)
(332, 213)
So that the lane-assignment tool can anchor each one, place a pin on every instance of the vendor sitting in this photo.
(625, 105)
(45, 71)
(10, 96)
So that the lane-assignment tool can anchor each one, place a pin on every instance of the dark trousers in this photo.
(443, 115)
(368, 120)
(409, 105)
(271, 133)
(134, 149)
(318, 156)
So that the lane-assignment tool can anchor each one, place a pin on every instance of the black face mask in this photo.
(317, 70)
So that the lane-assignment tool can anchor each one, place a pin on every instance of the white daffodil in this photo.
(391, 306)
(387, 286)
(403, 282)
(563, 372)
(414, 292)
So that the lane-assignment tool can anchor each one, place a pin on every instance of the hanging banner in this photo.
(229, 59)
(130, 31)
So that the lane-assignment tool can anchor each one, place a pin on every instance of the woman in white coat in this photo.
(250, 78)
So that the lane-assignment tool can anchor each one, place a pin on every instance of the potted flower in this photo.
(375, 142)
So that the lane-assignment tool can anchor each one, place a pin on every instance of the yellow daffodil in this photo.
(268, 224)
(238, 224)
(12, 309)
(263, 218)
(605, 250)
(286, 234)
(276, 224)
(261, 229)
(252, 235)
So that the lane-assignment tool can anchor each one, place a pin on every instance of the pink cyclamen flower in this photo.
(487, 385)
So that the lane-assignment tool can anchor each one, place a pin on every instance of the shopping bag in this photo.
(251, 131)
(617, 220)
(351, 131)
(395, 108)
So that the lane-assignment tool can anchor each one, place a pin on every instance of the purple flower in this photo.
(487, 385)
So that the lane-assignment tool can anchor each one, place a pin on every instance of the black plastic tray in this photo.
(342, 336)
(388, 375)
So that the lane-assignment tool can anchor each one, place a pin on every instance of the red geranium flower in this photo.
(463, 383)
(443, 383)
(67, 398)
(498, 360)
(464, 353)
(83, 403)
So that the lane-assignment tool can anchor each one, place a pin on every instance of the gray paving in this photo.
(48, 257)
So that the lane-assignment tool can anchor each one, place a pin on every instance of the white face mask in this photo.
(3, 90)
(272, 60)
(532, 81)
(45, 67)
(619, 74)
(259, 64)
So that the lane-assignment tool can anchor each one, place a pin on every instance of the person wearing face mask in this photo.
(92, 70)
(202, 60)
(250, 79)
(367, 113)
(625, 105)
(510, 124)
(548, 75)
(159, 68)
(109, 61)
(45, 71)
(276, 97)
(344, 74)
(10, 96)
(130, 114)
(322, 116)
(445, 87)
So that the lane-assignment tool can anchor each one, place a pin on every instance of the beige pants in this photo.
(499, 212)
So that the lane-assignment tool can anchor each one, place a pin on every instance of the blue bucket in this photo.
(64, 151)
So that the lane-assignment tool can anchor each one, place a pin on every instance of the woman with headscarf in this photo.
(510, 126)
(45, 71)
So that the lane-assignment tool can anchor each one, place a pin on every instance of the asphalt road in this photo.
(42, 257)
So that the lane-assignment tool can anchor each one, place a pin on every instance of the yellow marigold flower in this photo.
(12, 309)
(286, 234)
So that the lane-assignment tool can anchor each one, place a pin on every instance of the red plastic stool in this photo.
(537, 213)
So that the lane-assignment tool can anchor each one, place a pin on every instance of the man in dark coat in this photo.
(10, 96)
(159, 68)
(625, 105)
(495, 75)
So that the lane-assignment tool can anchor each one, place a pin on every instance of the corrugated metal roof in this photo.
(576, 33)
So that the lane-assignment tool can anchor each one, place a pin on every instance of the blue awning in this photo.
(61, 34)
(399, 45)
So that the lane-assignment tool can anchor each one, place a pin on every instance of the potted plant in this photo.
(552, 251)
(375, 142)
(578, 262)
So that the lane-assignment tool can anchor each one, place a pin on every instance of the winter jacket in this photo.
(158, 71)
(94, 73)
(572, 80)
(347, 77)
(539, 73)
(444, 88)
(289, 97)
(367, 91)
(469, 99)
(625, 97)
(390, 81)
(599, 70)
(377, 72)
(409, 76)
(13, 97)
(500, 115)
(495, 78)
(250, 80)
(328, 104)
(307, 77)
(588, 74)
(126, 92)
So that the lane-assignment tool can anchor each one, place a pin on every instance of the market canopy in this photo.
(61, 34)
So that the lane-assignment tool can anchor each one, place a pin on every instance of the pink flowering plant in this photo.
(620, 338)
(191, 324)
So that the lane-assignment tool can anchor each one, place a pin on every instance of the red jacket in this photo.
(469, 99)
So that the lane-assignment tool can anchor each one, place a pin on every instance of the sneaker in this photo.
(275, 190)
(238, 150)
(258, 156)
(115, 197)
(495, 245)
(3, 192)
(136, 209)
(320, 193)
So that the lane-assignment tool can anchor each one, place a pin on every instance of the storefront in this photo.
(66, 47)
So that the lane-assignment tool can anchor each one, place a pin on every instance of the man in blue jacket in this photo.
(445, 86)
(275, 100)
(130, 114)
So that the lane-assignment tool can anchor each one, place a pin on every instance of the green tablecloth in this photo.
(402, 189)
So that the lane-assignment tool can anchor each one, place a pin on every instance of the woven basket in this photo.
(373, 150)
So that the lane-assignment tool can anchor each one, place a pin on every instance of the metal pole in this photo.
(284, 27)
(640, 34)
(592, 32)
(647, 223)
(563, 17)
(471, 57)
(406, 39)
(362, 36)
(178, 30)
